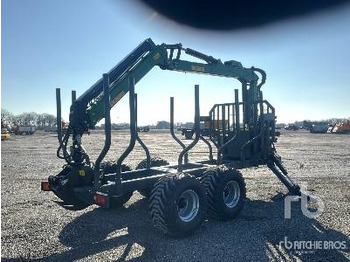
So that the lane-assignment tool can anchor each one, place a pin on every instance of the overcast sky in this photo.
(70, 44)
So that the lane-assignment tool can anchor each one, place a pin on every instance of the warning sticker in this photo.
(117, 98)
(197, 68)
(156, 56)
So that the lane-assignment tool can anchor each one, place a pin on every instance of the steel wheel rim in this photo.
(231, 194)
(188, 205)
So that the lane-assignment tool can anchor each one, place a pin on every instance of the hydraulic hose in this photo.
(263, 76)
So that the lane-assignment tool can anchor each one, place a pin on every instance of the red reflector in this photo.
(45, 186)
(101, 199)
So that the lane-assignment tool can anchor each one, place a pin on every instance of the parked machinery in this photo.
(5, 134)
(25, 130)
(341, 128)
(319, 128)
(179, 194)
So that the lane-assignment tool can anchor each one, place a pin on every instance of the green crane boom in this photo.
(161, 55)
(89, 108)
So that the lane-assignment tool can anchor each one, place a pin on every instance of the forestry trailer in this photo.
(179, 194)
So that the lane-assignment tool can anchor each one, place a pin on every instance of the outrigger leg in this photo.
(280, 171)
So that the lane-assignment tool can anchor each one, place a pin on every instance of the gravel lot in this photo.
(35, 228)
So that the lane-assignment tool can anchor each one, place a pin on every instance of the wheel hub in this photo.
(231, 194)
(188, 205)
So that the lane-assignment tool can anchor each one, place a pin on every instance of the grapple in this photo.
(73, 186)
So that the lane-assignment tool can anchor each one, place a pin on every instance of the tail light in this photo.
(101, 199)
(45, 186)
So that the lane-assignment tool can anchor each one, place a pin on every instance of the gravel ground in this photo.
(35, 228)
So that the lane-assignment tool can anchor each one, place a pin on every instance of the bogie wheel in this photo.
(155, 162)
(116, 202)
(178, 205)
(226, 192)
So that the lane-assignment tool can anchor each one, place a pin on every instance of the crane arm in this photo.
(89, 109)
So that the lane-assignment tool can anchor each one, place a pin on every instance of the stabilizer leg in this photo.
(280, 171)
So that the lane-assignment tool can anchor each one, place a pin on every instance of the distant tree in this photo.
(6, 117)
(46, 120)
(31, 118)
(40, 120)
(50, 119)
(27, 119)
(17, 120)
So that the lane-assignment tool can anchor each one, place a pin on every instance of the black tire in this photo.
(226, 192)
(116, 202)
(155, 162)
(110, 167)
(178, 205)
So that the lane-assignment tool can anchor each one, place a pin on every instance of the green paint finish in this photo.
(159, 57)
